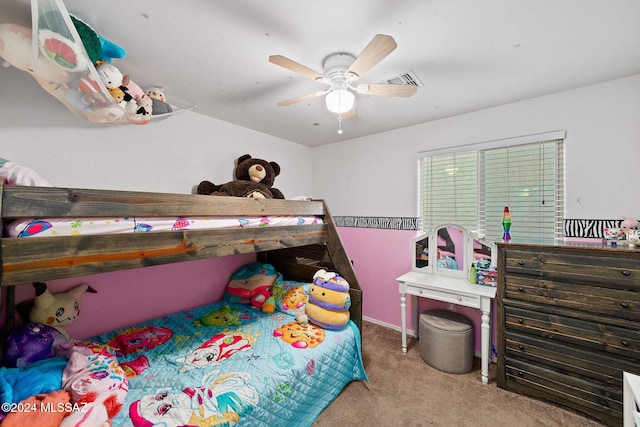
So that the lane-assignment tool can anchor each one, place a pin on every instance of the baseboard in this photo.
(413, 333)
(390, 326)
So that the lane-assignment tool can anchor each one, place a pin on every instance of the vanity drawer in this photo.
(587, 334)
(446, 296)
(613, 269)
(622, 304)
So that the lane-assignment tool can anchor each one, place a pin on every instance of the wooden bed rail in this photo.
(298, 250)
(40, 202)
(48, 258)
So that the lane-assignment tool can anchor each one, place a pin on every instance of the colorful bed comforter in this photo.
(86, 226)
(232, 365)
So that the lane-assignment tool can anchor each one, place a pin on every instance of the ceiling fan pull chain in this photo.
(339, 124)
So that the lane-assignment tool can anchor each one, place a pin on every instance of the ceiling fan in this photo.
(341, 71)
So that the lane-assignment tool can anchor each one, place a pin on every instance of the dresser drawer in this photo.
(452, 297)
(599, 368)
(586, 334)
(622, 304)
(599, 402)
(609, 268)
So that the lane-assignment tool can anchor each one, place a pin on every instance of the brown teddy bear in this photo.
(254, 178)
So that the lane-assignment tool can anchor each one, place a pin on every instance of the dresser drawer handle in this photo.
(520, 262)
(626, 273)
(520, 346)
(520, 320)
(624, 305)
(520, 374)
(625, 343)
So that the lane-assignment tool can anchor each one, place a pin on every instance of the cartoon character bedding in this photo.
(222, 364)
(243, 368)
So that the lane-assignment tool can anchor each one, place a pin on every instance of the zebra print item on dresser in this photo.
(386, 223)
(589, 228)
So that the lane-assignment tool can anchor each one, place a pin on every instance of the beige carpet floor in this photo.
(403, 390)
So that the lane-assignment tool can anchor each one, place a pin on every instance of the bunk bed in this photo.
(295, 251)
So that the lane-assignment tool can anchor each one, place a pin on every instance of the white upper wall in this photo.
(377, 175)
(171, 155)
(372, 176)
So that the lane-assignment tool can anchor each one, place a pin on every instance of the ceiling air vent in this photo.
(408, 78)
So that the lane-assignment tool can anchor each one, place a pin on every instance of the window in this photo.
(471, 185)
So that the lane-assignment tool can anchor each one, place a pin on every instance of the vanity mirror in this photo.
(442, 258)
(450, 249)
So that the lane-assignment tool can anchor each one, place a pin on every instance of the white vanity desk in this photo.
(452, 286)
(452, 290)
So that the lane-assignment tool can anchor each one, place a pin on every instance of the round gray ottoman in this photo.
(446, 341)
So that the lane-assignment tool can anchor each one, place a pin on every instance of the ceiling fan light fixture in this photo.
(340, 101)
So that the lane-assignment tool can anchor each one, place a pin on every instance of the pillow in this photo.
(251, 283)
(447, 262)
(14, 174)
(291, 297)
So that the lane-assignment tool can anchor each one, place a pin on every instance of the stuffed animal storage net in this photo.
(64, 55)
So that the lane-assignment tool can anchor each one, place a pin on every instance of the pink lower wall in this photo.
(126, 297)
(379, 257)
(131, 296)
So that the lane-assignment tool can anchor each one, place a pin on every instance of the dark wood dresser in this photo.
(569, 324)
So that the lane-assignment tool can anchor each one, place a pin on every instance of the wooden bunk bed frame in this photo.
(295, 251)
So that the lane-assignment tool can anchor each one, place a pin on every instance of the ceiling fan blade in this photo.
(348, 114)
(296, 67)
(387, 90)
(377, 49)
(301, 98)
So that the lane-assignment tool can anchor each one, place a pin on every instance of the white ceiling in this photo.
(470, 54)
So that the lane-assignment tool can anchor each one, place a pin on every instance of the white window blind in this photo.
(471, 185)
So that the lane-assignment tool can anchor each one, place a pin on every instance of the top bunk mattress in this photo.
(47, 227)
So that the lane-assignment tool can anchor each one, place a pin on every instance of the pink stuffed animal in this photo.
(97, 384)
(629, 224)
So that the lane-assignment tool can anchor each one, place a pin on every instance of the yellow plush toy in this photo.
(329, 301)
(57, 310)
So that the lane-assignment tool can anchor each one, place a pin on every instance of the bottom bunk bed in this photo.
(239, 367)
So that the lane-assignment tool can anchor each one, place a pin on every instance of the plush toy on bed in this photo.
(254, 179)
(329, 301)
(97, 383)
(31, 343)
(57, 310)
(253, 284)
